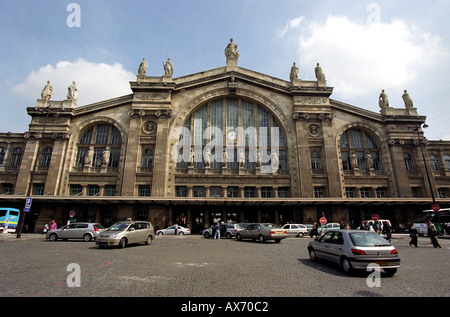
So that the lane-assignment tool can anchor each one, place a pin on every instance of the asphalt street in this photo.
(192, 266)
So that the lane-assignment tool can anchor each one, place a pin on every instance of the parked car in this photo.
(126, 232)
(309, 227)
(171, 230)
(355, 250)
(227, 230)
(78, 230)
(297, 230)
(262, 232)
(328, 226)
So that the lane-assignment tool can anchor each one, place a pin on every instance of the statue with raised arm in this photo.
(407, 99)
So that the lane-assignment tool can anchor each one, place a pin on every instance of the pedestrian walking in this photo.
(432, 233)
(413, 235)
(53, 225)
(45, 229)
(217, 231)
(387, 231)
(314, 230)
(176, 228)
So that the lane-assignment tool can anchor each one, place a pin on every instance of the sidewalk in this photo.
(12, 236)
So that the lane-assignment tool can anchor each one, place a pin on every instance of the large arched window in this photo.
(99, 145)
(232, 133)
(360, 143)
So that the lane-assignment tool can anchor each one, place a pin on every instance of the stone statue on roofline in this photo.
(407, 99)
(231, 53)
(320, 76)
(383, 100)
(143, 68)
(72, 93)
(294, 73)
(46, 93)
(168, 68)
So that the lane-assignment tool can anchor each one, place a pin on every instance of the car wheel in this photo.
(261, 238)
(228, 235)
(122, 243)
(238, 237)
(160, 233)
(312, 255)
(207, 235)
(149, 240)
(300, 234)
(53, 237)
(346, 265)
(87, 237)
(181, 233)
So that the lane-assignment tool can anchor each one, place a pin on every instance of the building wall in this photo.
(148, 120)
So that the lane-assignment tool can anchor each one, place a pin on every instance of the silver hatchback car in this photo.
(126, 232)
(78, 230)
(355, 250)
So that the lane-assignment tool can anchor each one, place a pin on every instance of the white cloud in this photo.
(95, 81)
(361, 59)
(290, 25)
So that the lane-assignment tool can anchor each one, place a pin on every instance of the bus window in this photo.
(9, 217)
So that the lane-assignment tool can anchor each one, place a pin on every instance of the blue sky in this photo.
(362, 46)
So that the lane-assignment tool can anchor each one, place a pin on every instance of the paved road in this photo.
(191, 266)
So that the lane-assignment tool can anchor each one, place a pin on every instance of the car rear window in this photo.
(368, 239)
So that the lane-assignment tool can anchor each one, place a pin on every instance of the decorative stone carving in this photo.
(383, 100)
(314, 130)
(46, 93)
(168, 68)
(294, 73)
(320, 76)
(231, 53)
(407, 100)
(143, 68)
(72, 93)
(149, 127)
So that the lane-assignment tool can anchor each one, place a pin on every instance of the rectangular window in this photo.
(350, 192)
(101, 135)
(283, 192)
(144, 190)
(381, 192)
(232, 191)
(215, 191)
(181, 191)
(442, 193)
(318, 192)
(38, 189)
(249, 192)
(93, 190)
(199, 191)
(365, 192)
(415, 192)
(110, 190)
(76, 190)
(266, 192)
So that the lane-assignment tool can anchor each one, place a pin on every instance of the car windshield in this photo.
(271, 226)
(368, 239)
(120, 226)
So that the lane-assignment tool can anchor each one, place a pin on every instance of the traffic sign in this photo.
(26, 209)
(375, 217)
(323, 220)
(28, 202)
(71, 213)
(435, 207)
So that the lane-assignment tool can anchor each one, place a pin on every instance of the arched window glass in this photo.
(99, 146)
(232, 133)
(360, 144)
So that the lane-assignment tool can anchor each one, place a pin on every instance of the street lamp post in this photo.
(22, 218)
(416, 129)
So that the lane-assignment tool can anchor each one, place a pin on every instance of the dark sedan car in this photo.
(355, 250)
(262, 232)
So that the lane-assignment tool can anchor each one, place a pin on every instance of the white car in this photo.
(295, 229)
(171, 230)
